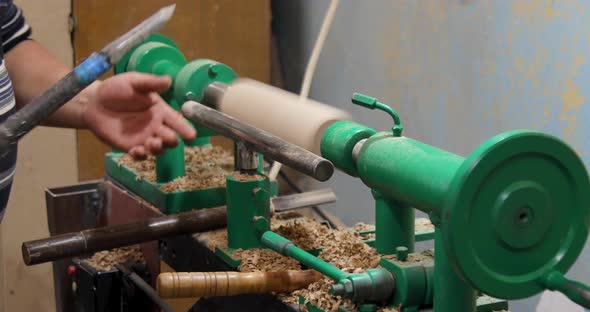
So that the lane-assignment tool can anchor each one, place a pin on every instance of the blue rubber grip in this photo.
(92, 67)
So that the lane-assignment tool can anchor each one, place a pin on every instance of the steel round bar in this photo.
(92, 240)
(261, 141)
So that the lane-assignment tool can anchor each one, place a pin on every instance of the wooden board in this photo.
(234, 32)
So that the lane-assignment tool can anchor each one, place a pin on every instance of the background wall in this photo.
(47, 157)
(458, 71)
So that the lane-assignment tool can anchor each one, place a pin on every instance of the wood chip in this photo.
(206, 167)
(342, 248)
(264, 260)
(109, 259)
(363, 227)
(246, 177)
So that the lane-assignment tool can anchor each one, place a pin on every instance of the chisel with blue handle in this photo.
(32, 114)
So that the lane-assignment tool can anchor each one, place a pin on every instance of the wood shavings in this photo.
(417, 258)
(245, 177)
(213, 238)
(363, 227)
(109, 259)
(345, 250)
(218, 238)
(305, 233)
(264, 260)
(342, 248)
(206, 167)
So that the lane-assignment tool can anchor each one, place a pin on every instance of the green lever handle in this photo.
(285, 247)
(576, 291)
(372, 103)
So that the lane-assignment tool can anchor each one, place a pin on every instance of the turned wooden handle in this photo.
(212, 284)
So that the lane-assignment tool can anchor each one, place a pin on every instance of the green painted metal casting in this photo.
(160, 56)
(338, 143)
(248, 212)
(510, 213)
(394, 225)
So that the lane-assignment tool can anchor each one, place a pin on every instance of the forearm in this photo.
(33, 70)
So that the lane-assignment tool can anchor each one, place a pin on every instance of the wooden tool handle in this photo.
(212, 284)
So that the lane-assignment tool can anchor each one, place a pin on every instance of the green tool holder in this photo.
(160, 56)
(513, 212)
(248, 215)
(248, 212)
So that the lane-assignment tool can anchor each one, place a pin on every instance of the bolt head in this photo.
(213, 70)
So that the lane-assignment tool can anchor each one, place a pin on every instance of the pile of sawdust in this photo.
(264, 260)
(342, 248)
(345, 250)
(287, 220)
(363, 227)
(206, 167)
(109, 259)
(213, 238)
(305, 233)
(245, 177)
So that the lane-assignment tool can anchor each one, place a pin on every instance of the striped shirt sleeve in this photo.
(14, 28)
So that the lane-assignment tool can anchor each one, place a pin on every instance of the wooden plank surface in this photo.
(234, 32)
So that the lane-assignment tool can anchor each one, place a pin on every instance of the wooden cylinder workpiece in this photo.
(301, 122)
(213, 284)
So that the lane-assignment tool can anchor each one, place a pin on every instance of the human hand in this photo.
(126, 112)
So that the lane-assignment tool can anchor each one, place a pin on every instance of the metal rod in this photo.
(315, 209)
(302, 200)
(261, 141)
(145, 287)
(92, 240)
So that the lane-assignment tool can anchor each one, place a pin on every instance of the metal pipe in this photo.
(261, 141)
(302, 200)
(92, 240)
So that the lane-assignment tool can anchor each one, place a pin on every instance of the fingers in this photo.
(178, 123)
(152, 146)
(138, 152)
(145, 83)
(168, 136)
(131, 92)
(155, 146)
